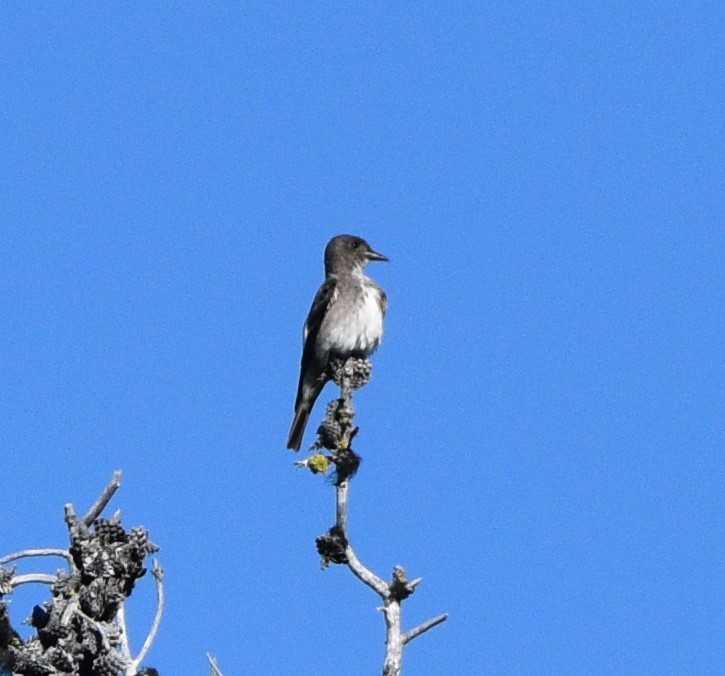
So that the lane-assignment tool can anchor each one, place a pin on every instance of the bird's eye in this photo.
(353, 244)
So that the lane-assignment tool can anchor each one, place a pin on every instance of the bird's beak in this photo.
(375, 256)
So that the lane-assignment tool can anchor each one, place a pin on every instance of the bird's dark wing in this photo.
(324, 296)
(310, 370)
(383, 301)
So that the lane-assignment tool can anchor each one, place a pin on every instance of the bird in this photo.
(345, 320)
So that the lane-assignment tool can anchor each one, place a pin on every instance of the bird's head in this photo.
(348, 253)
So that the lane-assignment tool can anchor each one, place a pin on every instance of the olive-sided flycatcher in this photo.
(345, 320)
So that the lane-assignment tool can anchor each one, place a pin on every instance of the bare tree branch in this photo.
(27, 553)
(41, 578)
(336, 434)
(394, 638)
(99, 505)
(361, 572)
(425, 626)
(125, 640)
(158, 573)
(364, 574)
(68, 613)
(215, 671)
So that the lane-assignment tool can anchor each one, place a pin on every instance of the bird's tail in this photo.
(297, 431)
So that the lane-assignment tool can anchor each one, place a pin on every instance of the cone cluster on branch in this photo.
(337, 430)
(76, 631)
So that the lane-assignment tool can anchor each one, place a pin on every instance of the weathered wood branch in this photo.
(336, 435)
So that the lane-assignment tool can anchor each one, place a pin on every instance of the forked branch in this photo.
(336, 435)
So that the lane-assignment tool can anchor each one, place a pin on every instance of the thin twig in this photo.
(343, 488)
(364, 574)
(70, 516)
(158, 573)
(42, 578)
(68, 612)
(360, 571)
(99, 505)
(27, 553)
(425, 626)
(121, 620)
(215, 671)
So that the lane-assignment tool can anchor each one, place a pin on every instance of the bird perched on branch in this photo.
(345, 320)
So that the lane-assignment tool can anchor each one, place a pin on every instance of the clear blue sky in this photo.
(543, 435)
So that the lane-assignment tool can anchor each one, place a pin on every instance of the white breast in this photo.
(359, 330)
